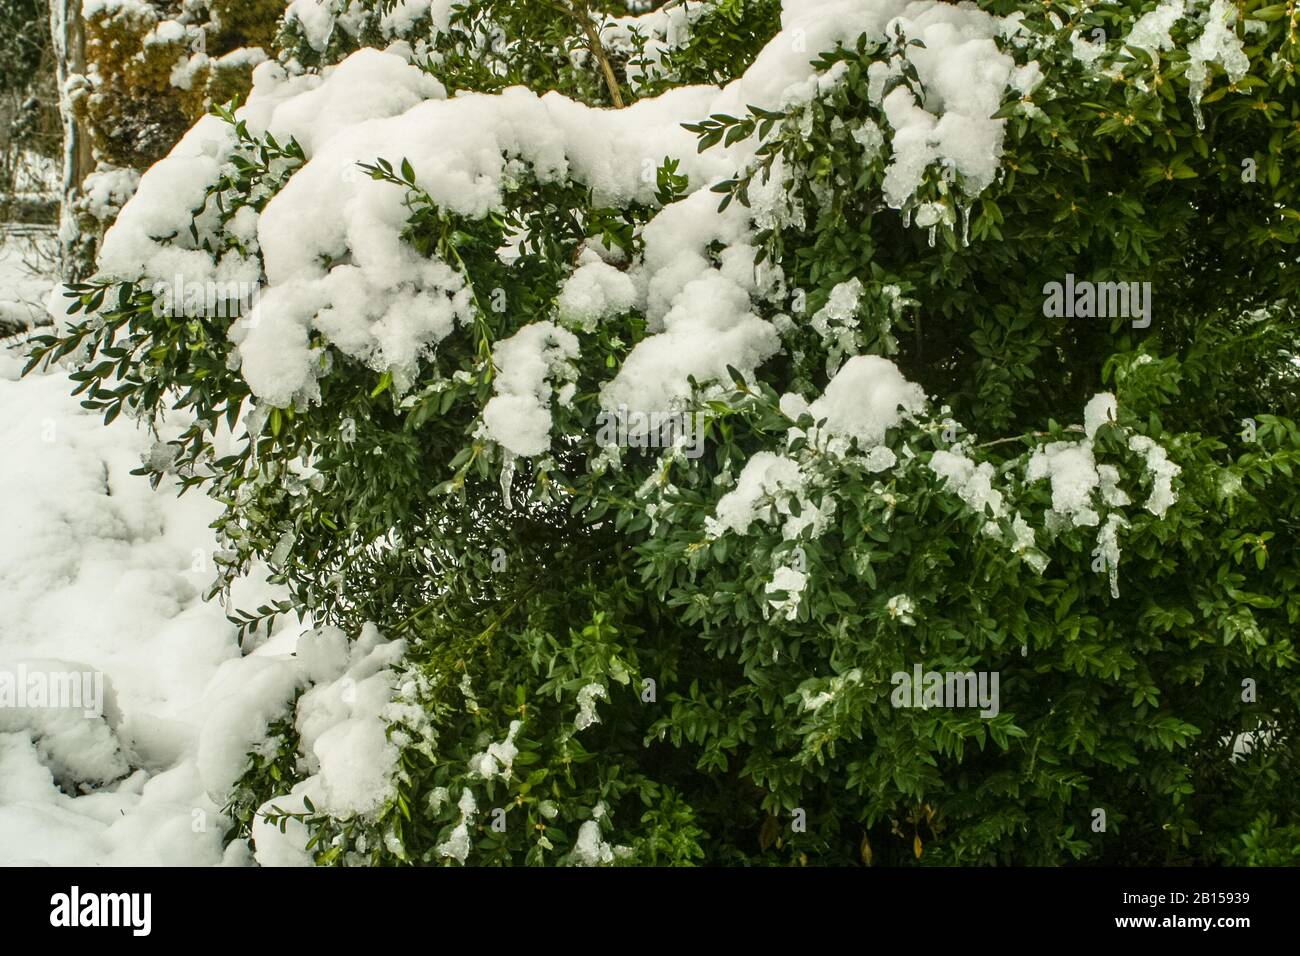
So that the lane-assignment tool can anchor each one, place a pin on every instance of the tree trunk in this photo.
(67, 31)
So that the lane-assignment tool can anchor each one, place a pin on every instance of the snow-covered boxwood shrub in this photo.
(864, 258)
(149, 71)
(154, 68)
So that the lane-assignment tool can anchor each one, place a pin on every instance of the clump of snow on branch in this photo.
(499, 756)
(587, 697)
(529, 364)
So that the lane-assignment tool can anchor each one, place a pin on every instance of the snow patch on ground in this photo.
(24, 288)
(100, 574)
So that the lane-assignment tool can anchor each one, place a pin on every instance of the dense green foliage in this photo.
(518, 585)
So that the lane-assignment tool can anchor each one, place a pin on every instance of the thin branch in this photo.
(598, 52)
(581, 13)
(1003, 441)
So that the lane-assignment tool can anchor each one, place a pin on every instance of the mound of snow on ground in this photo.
(100, 575)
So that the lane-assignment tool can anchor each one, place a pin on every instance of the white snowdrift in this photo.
(101, 575)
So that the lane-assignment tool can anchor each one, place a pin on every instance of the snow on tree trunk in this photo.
(76, 250)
